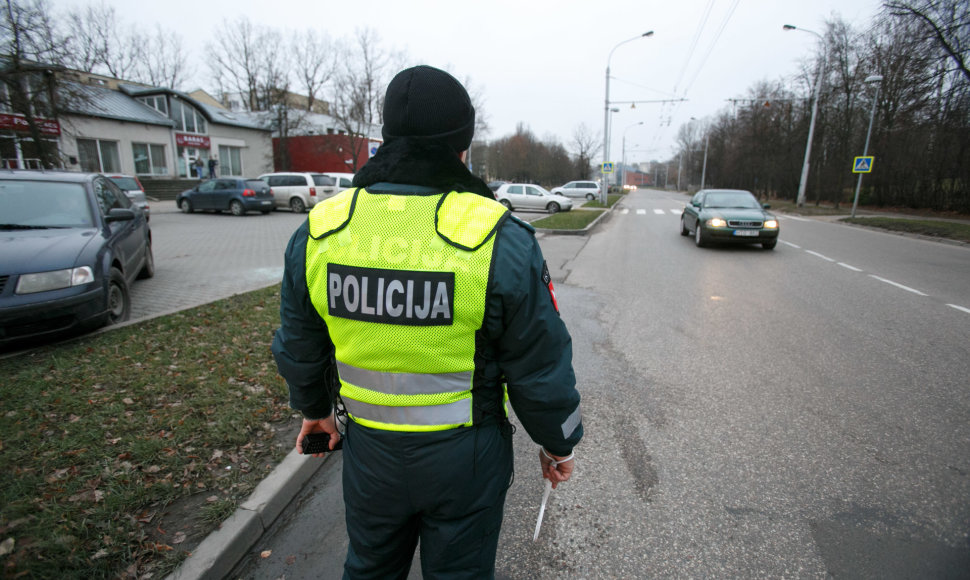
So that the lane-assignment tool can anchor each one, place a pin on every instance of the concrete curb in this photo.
(221, 550)
(583, 231)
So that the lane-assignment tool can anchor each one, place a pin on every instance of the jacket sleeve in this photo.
(302, 346)
(533, 347)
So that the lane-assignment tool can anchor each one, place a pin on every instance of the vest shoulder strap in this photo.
(332, 215)
(468, 220)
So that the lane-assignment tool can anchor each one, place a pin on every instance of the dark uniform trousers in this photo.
(445, 487)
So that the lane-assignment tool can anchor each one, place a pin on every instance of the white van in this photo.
(344, 180)
(299, 191)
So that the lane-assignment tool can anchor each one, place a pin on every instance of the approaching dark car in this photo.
(728, 216)
(70, 246)
(236, 195)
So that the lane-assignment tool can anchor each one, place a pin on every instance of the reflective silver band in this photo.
(457, 413)
(571, 422)
(405, 383)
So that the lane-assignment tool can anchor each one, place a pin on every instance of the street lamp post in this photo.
(606, 112)
(707, 140)
(623, 156)
(803, 182)
(877, 79)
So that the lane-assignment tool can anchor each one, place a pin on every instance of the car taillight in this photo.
(313, 192)
(249, 193)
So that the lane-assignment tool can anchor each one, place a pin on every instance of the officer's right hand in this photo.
(558, 473)
(328, 425)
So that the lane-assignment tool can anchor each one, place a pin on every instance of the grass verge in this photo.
(611, 199)
(932, 228)
(102, 435)
(568, 220)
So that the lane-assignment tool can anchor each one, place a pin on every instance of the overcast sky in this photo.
(543, 63)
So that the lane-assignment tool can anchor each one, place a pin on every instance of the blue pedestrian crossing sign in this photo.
(862, 164)
(608, 167)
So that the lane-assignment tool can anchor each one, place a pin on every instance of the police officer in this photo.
(429, 306)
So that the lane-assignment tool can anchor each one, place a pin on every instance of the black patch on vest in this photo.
(403, 297)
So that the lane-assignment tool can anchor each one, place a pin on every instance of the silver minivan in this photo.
(588, 189)
(299, 191)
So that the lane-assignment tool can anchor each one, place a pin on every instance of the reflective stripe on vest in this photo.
(400, 281)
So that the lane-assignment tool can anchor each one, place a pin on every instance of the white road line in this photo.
(659, 211)
(906, 288)
(853, 268)
(625, 211)
(791, 244)
(641, 212)
(960, 308)
(676, 211)
(816, 254)
(791, 217)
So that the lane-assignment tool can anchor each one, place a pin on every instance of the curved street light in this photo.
(803, 182)
(606, 111)
(877, 79)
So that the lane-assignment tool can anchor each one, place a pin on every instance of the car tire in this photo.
(590, 197)
(118, 299)
(297, 205)
(265, 211)
(553, 207)
(683, 227)
(769, 245)
(699, 236)
(506, 203)
(147, 270)
(186, 206)
(236, 207)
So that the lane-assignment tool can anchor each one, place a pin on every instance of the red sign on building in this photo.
(186, 140)
(19, 123)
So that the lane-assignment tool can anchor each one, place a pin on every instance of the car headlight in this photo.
(46, 281)
(716, 223)
(771, 224)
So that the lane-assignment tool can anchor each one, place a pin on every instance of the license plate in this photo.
(746, 233)
(267, 202)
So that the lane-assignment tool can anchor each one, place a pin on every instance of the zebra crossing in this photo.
(657, 211)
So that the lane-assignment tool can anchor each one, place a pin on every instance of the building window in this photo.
(149, 159)
(98, 156)
(230, 160)
(186, 118)
(159, 103)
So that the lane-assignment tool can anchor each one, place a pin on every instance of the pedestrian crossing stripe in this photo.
(862, 164)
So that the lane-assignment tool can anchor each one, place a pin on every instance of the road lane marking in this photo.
(817, 255)
(960, 308)
(853, 268)
(625, 211)
(906, 288)
(659, 211)
(641, 212)
(791, 217)
(791, 244)
(676, 211)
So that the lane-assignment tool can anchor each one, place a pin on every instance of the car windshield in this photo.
(44, 204)
(322, 180)
(731, 200)
(126, 183)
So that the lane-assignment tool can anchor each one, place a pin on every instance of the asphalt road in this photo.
(801, 412)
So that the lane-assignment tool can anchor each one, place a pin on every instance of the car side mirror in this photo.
(119, 214)
(695, 203)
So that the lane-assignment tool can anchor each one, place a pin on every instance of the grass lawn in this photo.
(576, 219)
(611, 199)
(102, 436)
(932, 228)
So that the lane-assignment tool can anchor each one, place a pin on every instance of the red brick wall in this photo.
(319, 153)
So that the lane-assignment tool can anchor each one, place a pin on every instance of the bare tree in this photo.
(946, 21)
(315, 61)
(236, 58)
(586, 145)
(163, 62)
(359, 94)
(32, 54)
(98, 44)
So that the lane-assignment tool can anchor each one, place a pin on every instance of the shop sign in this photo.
(19, 123)
(186, 140)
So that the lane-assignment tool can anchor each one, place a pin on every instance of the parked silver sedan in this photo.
(528, 196)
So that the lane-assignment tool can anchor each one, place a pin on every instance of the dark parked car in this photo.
(729, 216)
(70, 246)
(237, 195)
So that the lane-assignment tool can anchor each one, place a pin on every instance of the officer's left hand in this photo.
(328, 425)
(555, 473)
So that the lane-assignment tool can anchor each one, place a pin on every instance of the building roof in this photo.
(212, 113)
(109, 104)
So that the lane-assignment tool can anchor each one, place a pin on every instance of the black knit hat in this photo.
(428, 103)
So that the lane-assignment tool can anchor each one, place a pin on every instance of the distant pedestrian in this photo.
(212, 167)
(199, 167)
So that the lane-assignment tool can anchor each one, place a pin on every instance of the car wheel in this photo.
(119, 300)
(185, 205)
(236, 207)
(148, 270)
(506, 203)
(297, 205)
(553, 207)
(683, 227)
(265, 211)
(590, 197)
(699, 235)
(769, 245)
